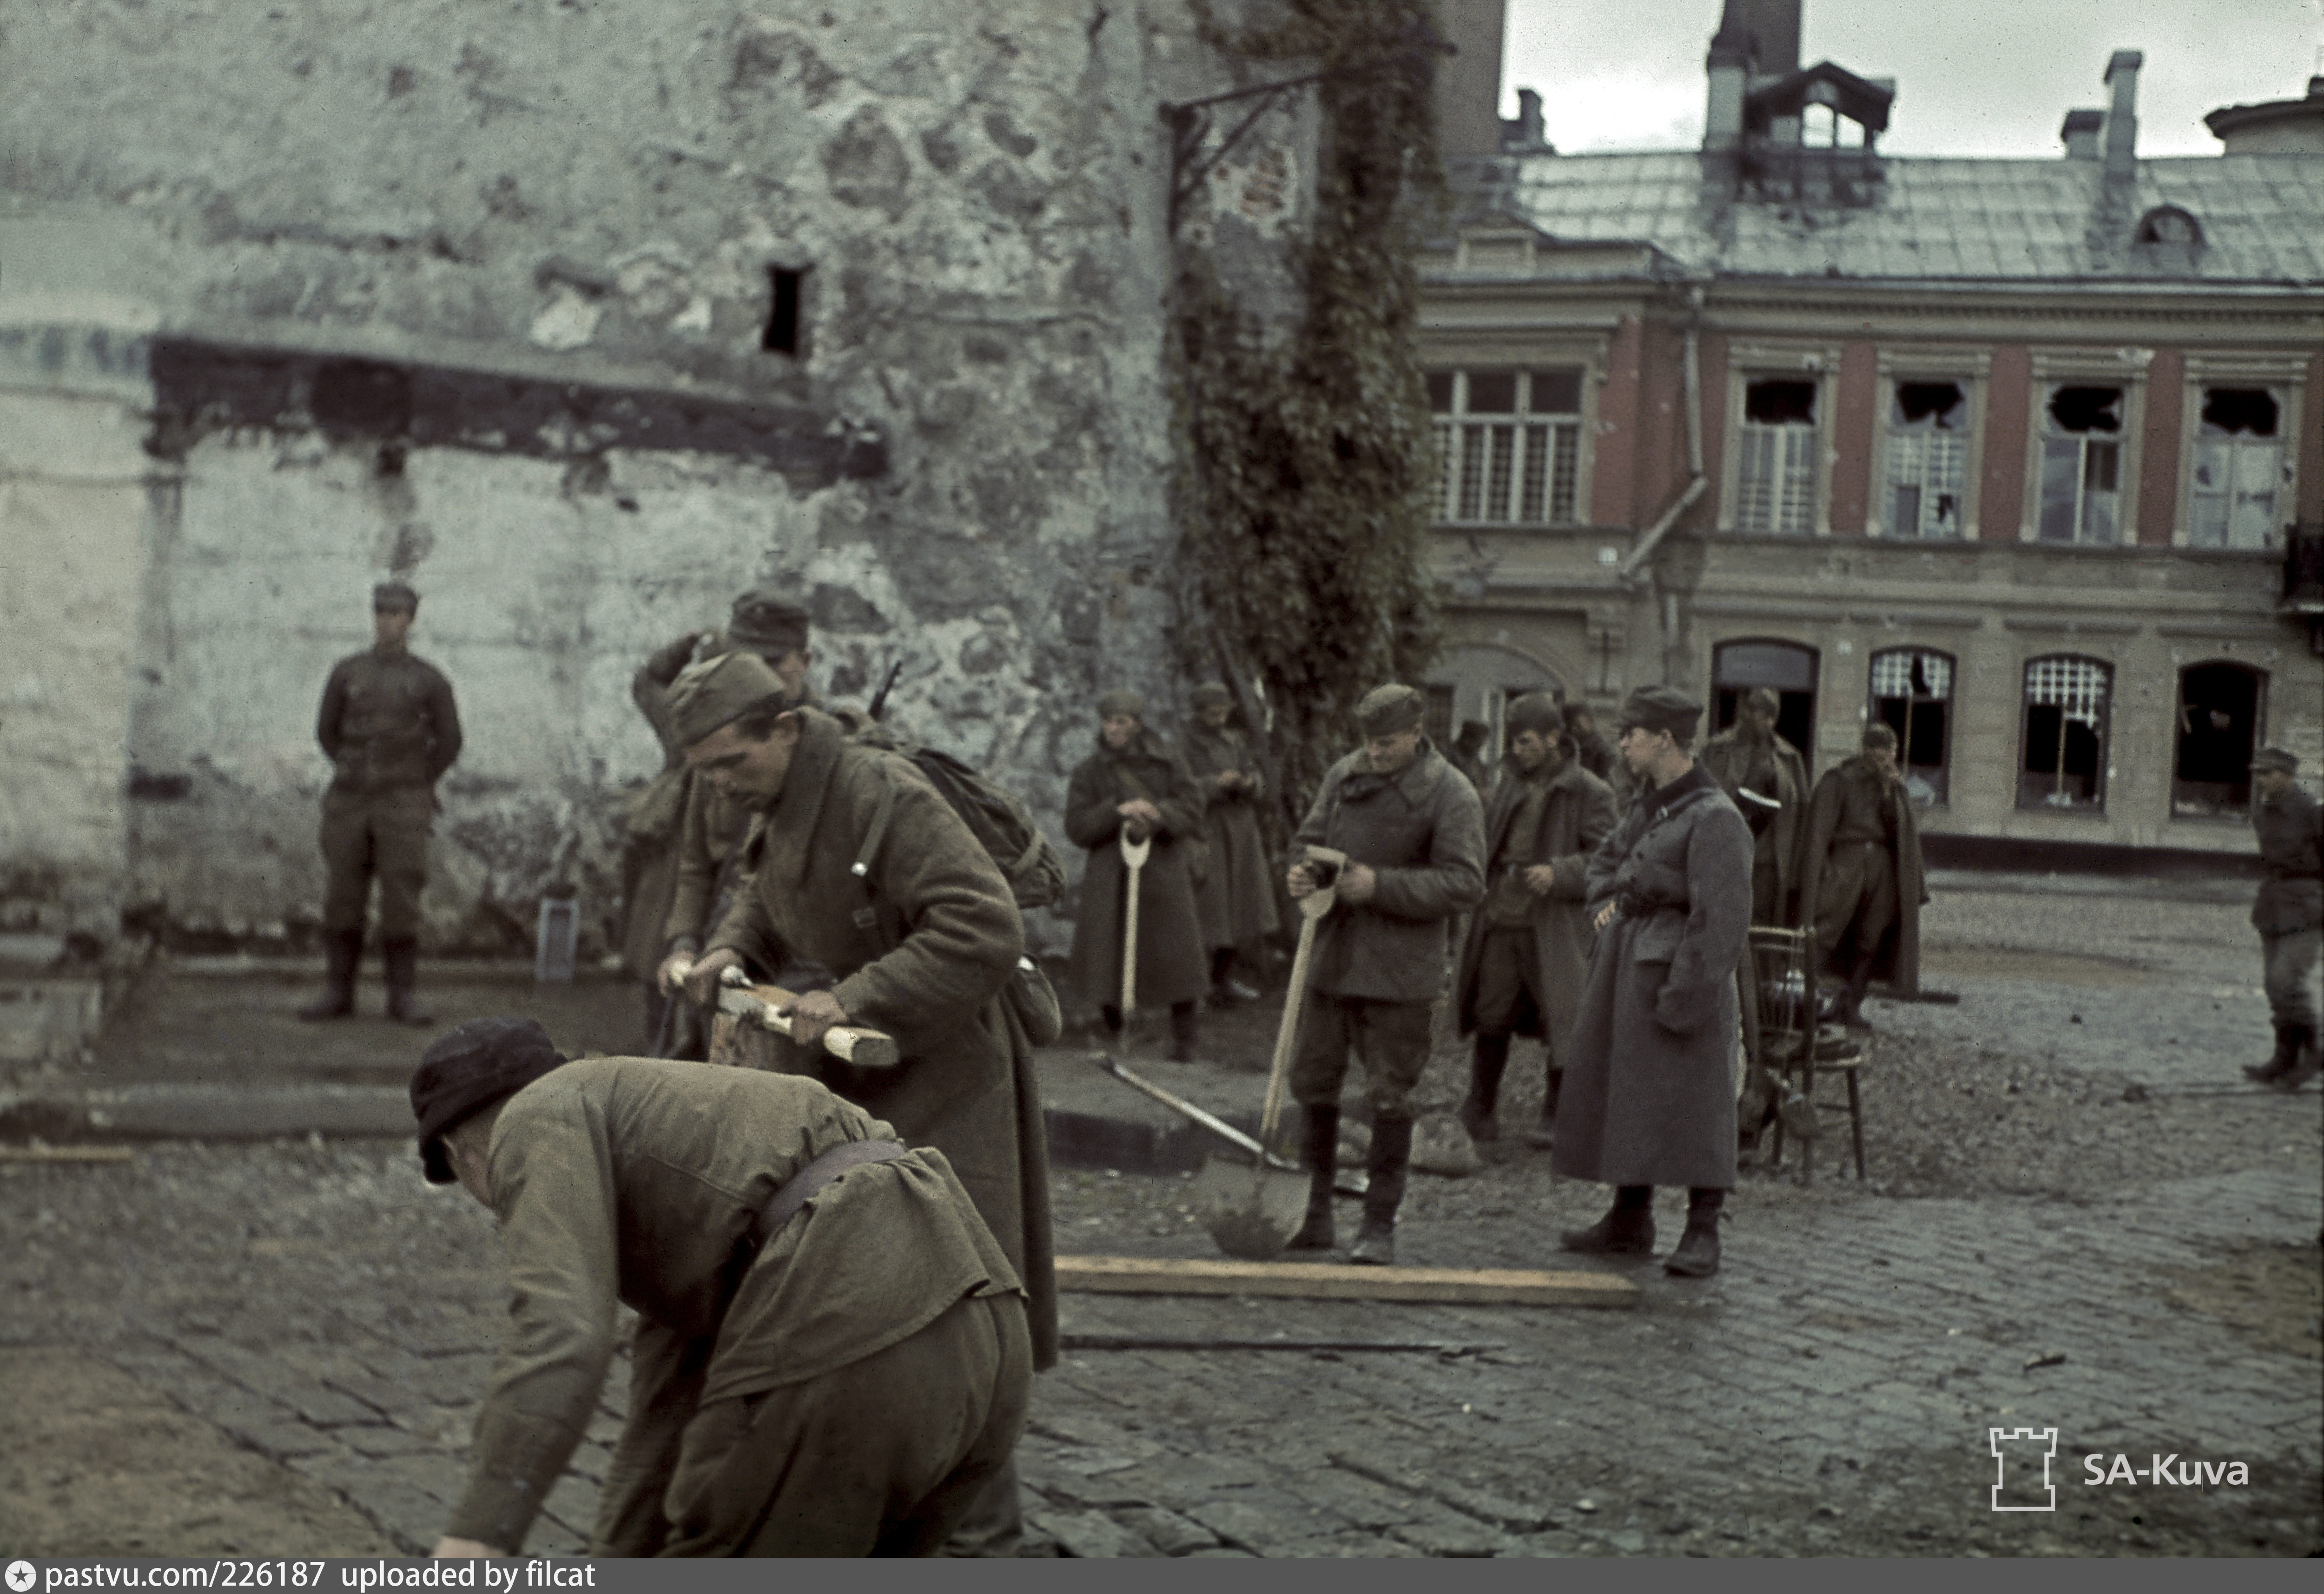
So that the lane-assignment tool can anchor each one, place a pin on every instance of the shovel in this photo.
(1133, 859)
(1252, 1212)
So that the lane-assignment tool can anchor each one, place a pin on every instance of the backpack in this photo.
(996, 817)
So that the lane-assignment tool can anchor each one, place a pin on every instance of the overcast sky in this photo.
(1973, 77)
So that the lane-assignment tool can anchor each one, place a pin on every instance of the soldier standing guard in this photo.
(390, 729)
(1750, 757)
(1236, 897)
(1861, 882)
(2289, 915)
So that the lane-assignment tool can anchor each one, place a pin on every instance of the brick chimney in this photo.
(2081, 132)
(1469, 85)
(2122, 115)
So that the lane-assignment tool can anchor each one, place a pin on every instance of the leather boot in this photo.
(1184, 1022)
(403, 961)
(1627, 1230)
(342, 949)
(1697, 1255)
(1319, 1151)
(1391, 1160)
(1543, 1133)
(1491, 1061)
(2306, 1061)
(2287, 1053)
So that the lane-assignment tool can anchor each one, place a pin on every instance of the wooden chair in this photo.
(1794, 1050)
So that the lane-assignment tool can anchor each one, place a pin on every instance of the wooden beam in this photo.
(66, 1153)
(1489, 1286)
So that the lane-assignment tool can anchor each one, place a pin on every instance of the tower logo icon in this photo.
(2015, 1452)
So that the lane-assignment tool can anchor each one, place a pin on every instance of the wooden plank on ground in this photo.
(1486, 1286)
(66, 1153)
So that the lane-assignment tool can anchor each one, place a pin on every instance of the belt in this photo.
(785, 1204)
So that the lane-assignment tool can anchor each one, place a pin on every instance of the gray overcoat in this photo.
(1650, 1095)
(1172, 966)
(1577, 815)
(1236, 894)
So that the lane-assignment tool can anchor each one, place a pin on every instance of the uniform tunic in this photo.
(2289, 913)
(1775, 769)
(1860, 864)
(635, 1180)
(390, 728)
(1171, 968)
(923, 945)
(1236, 897)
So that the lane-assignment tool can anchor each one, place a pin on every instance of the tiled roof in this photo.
(1928, 217)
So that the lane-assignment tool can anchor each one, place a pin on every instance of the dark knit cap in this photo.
(466, 1071)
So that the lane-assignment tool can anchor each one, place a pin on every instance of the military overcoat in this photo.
(1577, 815)
(1775, 770)
(1650, 1095)
(1899, 960)
(923, 945)
(1171, 965)
(1236, 895)
(2290, 834)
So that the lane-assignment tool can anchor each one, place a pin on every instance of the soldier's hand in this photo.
(811, 1015)
(674, 968)
(1300, 880)
(1540, 878)
(1358, 883)
(1139, 811)
(702, 982)
(1606, 915)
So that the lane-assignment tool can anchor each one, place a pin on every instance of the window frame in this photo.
(1952, 700)
(2262, 679)
(2285, 376)
(1749, 362)
(1898, 366)
(1582, 421)
(2056, 368)
(2101, 781)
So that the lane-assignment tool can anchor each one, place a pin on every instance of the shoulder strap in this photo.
(878, 832)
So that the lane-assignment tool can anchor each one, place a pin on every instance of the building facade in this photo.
(2025, 458)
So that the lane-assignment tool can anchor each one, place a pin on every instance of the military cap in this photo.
(1536, 711)
(1879, 734)
(766, 622)
(1210, 695)
(719, 691)
(1121, 701)
(1661, 709)
(466, 1071)
(1386, 710)
(394, 595)
(2275, 757)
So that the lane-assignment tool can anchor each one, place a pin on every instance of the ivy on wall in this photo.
(1308, 460)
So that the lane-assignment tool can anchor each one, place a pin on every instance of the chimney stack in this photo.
(2122, 117)
(1734, 54)
(2081, 134)
(1469, 85)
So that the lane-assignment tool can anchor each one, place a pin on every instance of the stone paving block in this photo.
(1356, 1500)
(377, 1442)
(551, 1537)
(1447, 1534)
(1090, 1534)
(1166, 1530)
(280, 1440)
(574, 1501)
(1244, 1527)
(412, 1519)
(1352, 1546)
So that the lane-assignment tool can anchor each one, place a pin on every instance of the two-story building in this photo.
(2024, 457)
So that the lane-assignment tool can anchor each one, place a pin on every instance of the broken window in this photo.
(1913, 695)
(2219, 727)
(1776, 464)
(2061, 761)
(1928, 459)
(1510, 445)
(2081, 466)
(2238, 468)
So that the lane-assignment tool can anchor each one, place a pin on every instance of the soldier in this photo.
(1591, 748)
(831, 1354)
(1861, 882)
(1414, 833)
(860, 865)
(1133, 785)
(708, 828)
(1527, 953)
(1468, 755)
(1237, 893)
(1749, 757)
(390, 729)
(2289, 915)
(1649, 1096)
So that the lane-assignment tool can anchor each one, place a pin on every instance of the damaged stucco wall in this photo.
(348, 233)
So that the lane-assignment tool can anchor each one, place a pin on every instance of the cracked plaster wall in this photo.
(596, 192)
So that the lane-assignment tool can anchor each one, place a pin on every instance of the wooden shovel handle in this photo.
(850, 1043)
(1313, 906)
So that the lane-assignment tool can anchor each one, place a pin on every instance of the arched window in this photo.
(2220, 705)
(2062, 751)
(1912, 694)
(1785, 669)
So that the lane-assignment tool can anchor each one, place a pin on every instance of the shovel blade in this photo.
(1251, 1212)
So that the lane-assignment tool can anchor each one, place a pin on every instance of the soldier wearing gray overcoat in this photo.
(1236, 894)
(1650, 1095)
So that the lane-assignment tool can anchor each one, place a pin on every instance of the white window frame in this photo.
(1973, 369)
(2125, 368)
(1533, 440)
(1748, 363)
(2285, 376)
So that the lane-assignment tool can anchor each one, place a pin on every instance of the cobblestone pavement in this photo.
(1829, 1392)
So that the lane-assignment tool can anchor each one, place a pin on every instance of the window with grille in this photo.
(1913, 695)
(2081, 466)
(2239, 468)
(1775, 463)
(2062, 762)
(1509, 446)
(1928, 459)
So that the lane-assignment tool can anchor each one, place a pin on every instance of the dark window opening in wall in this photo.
(1556, 392)
(783, 335)
(1928, 459)
(1509, 445)
(2081, 467)
(1785, 669)
(1439, 392)
(1776, 472)
(1439, 708)
(2218, 727)
(1492, 392)
(1913, 695)
(2238, 468)
(2061, 760)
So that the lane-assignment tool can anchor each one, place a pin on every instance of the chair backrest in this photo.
(1784, 963)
